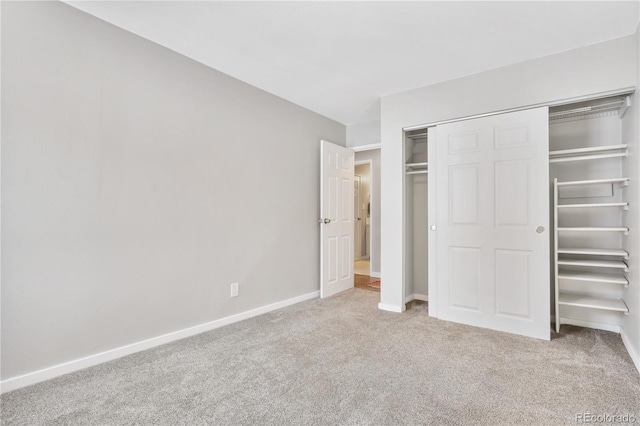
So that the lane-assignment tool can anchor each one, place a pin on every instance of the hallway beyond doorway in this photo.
(362, 267)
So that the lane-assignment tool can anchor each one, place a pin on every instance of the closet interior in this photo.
(588, 216)
(587, 157)
(416, 172)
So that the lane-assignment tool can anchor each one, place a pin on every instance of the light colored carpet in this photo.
(343, 361)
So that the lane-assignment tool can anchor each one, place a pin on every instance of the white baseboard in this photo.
(391, 308)
(632, 351)
(589, 324)
(99, 358)
(416, 296)
(375, 274)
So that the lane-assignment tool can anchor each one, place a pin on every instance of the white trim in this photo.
(375, 274)
(422, 297)
(391, 308)
(589, 324)
(432, 213)
(99, 358)
(625, 91)
(416, 296)
(635, 357)
(355, 177)
(368, 147)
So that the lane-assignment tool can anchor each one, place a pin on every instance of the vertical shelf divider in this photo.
(555, 253)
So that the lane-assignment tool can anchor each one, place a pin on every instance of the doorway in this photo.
(364, 222)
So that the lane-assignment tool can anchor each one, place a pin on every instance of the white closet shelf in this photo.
(596, 229)
(422, 135)
(598, 278)
(594, 252)
(612, 264)
(604, 109)
(417, 168)
(623, 181)
(588, 153)
(625, 206)
(581, 301)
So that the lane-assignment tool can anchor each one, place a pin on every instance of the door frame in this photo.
(373, 231)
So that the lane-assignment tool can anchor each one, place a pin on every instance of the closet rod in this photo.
(587, 149)
(622, 181)
(587, 157)
(417, 172)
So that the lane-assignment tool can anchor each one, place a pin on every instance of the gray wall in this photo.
(366, 133)
(600, 67)
(137, 185)
(376, 198)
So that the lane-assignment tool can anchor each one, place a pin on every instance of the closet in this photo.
(587, 170)
(416, 250)
(527, 217)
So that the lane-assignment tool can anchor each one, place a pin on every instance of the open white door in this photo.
(492, 222)
(336, 218)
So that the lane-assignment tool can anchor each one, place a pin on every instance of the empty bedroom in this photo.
(319, 213)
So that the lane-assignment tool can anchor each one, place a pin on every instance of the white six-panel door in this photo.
(336, 218)
(492, 222)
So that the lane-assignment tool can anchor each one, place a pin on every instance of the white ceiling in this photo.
(339, 58)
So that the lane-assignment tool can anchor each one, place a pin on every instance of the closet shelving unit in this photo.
(611, 107)
(416, 169)
(588, 264)
(416, 163)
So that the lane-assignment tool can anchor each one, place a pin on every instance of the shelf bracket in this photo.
(625, 106)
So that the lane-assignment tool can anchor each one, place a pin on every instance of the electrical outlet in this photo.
(234, 290)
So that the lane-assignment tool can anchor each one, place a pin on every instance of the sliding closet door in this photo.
(492, 224)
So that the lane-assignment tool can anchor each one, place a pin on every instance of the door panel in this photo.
(463, 187)
(513, 283)
(336, 218)
(511, 202)
(465, 277)
(490, 193)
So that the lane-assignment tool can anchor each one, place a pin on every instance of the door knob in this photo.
(327, 220)
(433, 227)
(540, 229)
